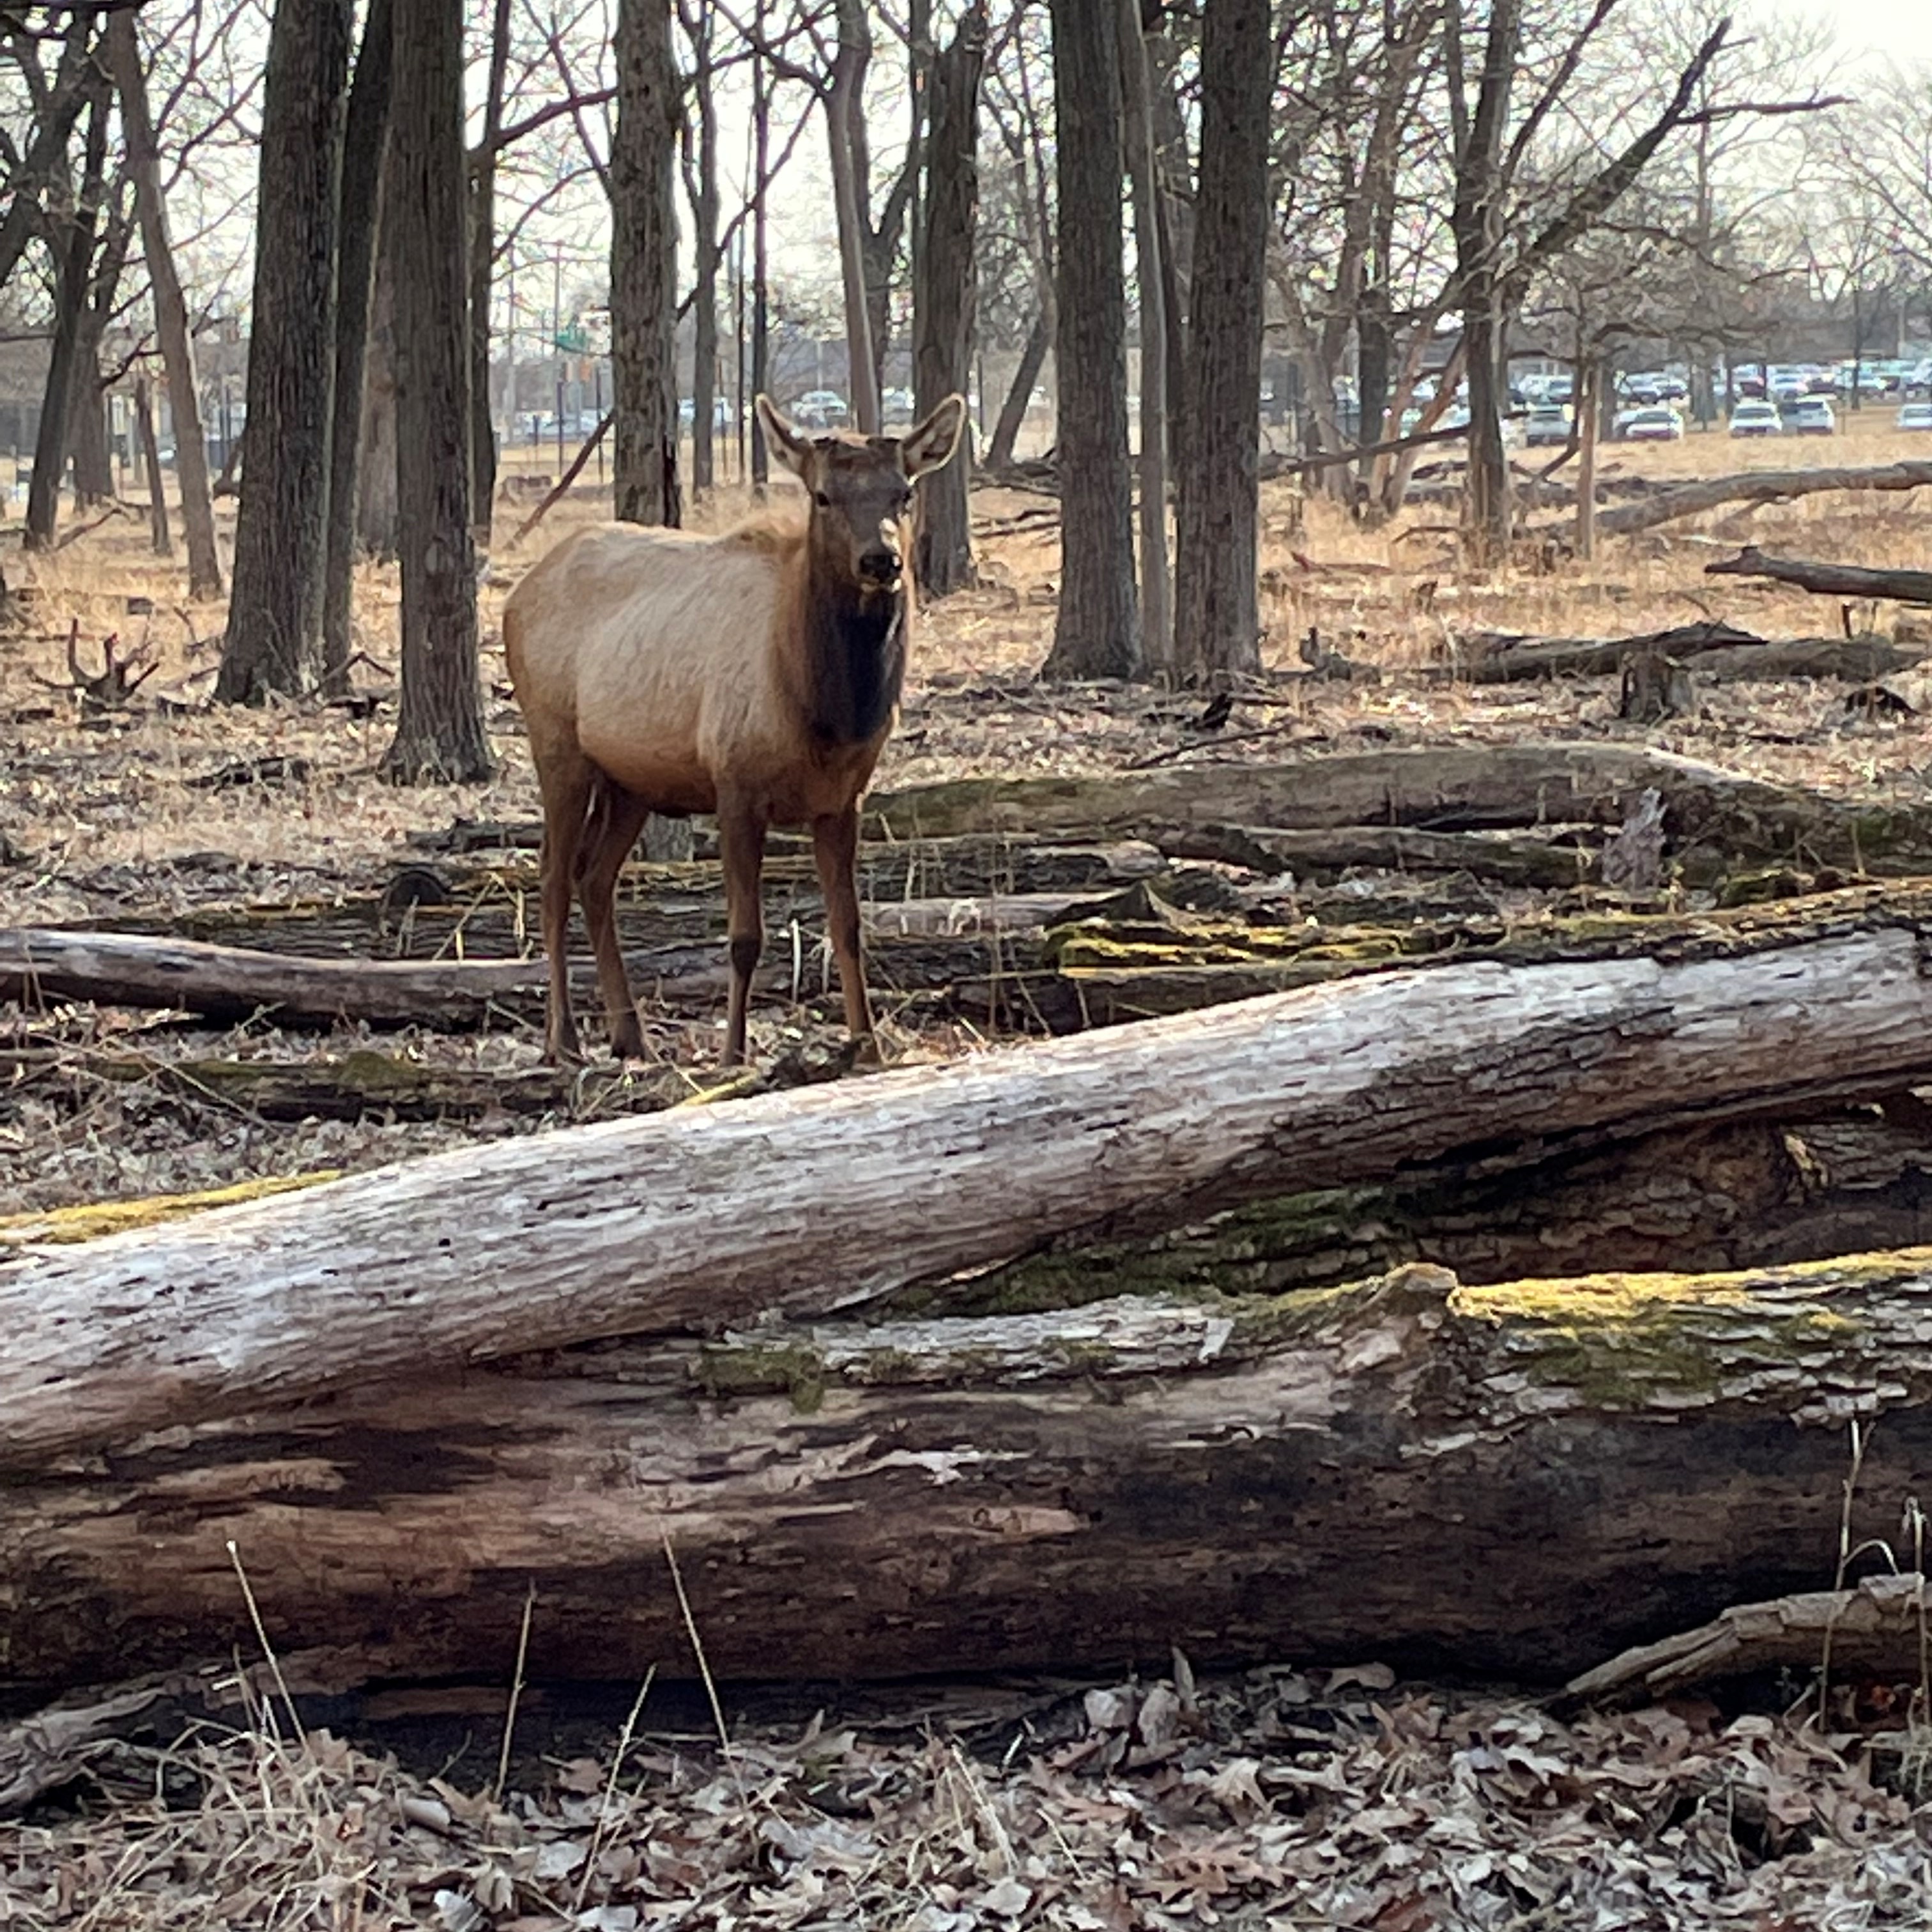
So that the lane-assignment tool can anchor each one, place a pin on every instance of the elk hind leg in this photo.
(620, 818)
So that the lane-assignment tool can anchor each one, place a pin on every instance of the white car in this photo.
(1756, 418)
(820, 408)
(1658, 424)
(1915, 416)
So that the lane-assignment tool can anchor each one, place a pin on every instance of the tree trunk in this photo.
(171, 320)
(1760, 486)
(150, 463)
(439, 735)
(943, 318)
(1217, 624)
(678, 1221)
(87, 432)
(1476, 224)
(365, 140)
(704, 285)
(275, 606)
(378, 531)
(1096, 633)
(1019, 395)
(644, 261)
(482, 258)
(1155, 586)
(74, 270)
(1590, 376)
(761, 142)
(845, 108)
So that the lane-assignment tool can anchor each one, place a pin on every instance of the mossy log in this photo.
(1520, 1479)
(808, 1201)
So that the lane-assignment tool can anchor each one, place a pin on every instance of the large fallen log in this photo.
(1756, 486)
(1829, 579)
(1516, 1480)
(805, 1202)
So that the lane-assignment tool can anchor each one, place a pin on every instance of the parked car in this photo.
(1756, 418)
(1812, 415)
(1546, 426)
(820, 408)
(895, 405)
(1915, 416)
(1653, 425)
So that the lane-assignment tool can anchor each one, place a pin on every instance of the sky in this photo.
(1864, 28)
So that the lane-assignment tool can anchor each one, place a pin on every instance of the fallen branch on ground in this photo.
(1829, 579)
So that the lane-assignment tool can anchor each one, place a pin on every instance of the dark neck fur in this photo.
(855, 654)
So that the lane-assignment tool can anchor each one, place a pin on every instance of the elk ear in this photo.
(930, 444)
(783, 441)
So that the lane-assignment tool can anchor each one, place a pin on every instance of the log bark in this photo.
(1508, 1480)
(791, 1204)
(1758, 486)
(1829, 579)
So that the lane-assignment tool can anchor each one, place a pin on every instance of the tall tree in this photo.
(943, 298)
(643, 261)
(482, 259)
(364, 139)
(700, 129)
(171, 323)
(1156, 589)
(1216, 622)
(275, 606)
(439, 734)
(1476, 224)
(1097, 631)
(72, 236)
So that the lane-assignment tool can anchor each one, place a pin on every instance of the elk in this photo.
(754, 674)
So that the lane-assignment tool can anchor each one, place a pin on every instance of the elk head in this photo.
(861, 489)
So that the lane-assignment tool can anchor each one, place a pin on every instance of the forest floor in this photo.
(1280, 1798)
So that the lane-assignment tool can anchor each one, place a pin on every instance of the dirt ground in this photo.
(1338, 1798)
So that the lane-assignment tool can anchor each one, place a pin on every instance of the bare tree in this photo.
(943, 311)
(1097, 631)
(440, 733)
(171, 320)
(365, 138)
(643, 253)
(74, 233)
(1156, 589)
(275, 606)
(1216, 624)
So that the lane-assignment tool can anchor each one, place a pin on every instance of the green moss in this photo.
(794, 1369)
(92, 1219)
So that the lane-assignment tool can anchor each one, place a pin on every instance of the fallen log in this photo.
(795, 1203)
(1882, 1628)
(1756, 486)
(1829, 579)
(1508, 1480)
(1442, 788)
(1715, 652)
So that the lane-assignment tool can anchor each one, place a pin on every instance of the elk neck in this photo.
(855, 654)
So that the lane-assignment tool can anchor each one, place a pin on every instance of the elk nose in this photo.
(879, 565)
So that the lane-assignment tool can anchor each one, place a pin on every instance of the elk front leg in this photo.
(835, 845)
(741, 844)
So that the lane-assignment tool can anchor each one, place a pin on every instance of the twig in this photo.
(516, 1691)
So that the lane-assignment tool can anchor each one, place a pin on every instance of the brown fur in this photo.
(754, 674)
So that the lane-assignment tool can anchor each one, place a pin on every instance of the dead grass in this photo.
(1278, 1798)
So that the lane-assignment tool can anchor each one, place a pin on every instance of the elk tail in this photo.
(596, 822)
